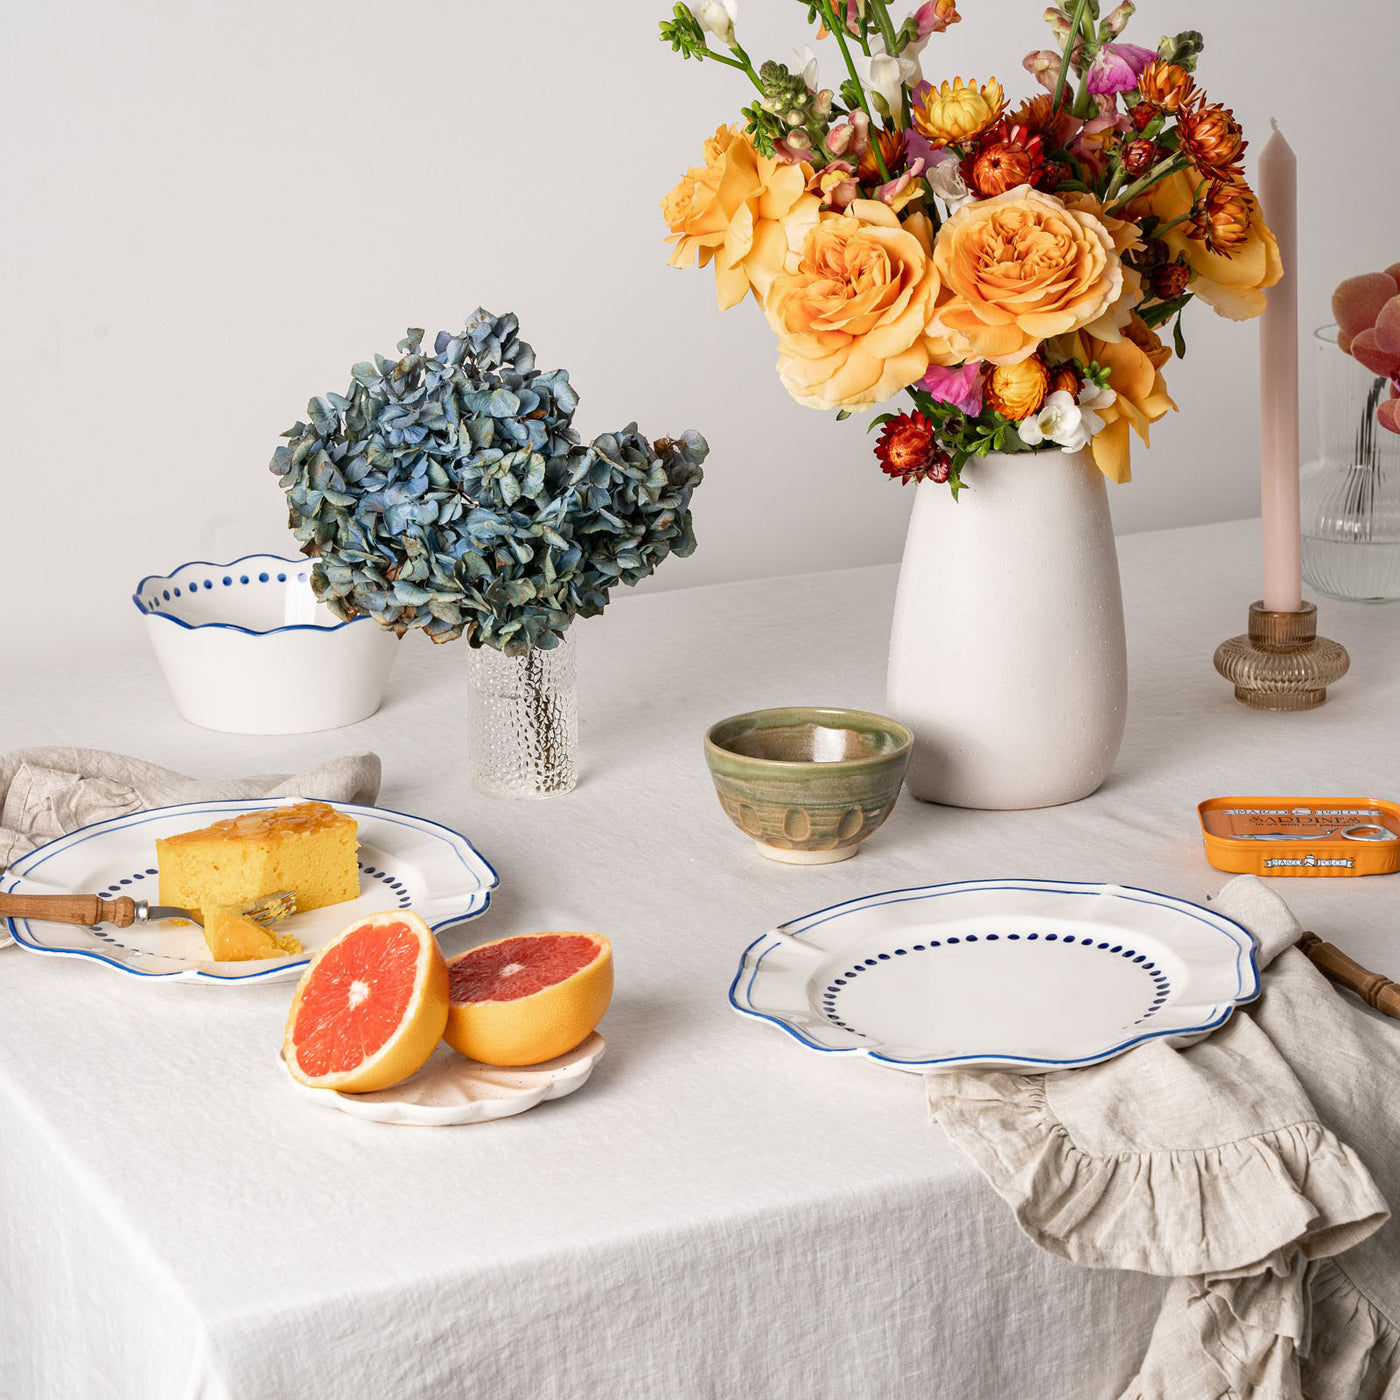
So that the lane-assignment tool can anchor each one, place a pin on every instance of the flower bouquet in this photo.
(1009, 268)
(1014, 271)
(449, 492)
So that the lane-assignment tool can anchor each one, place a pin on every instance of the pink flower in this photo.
(1116, 67)
(901, 189)
(850, 136)
(934, 17)
(960, 385)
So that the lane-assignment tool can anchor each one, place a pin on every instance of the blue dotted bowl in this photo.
(247, 649)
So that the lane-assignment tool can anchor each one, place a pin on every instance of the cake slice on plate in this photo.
(308, 848)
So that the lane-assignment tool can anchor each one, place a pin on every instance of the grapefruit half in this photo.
(522, 1000)
(370, 1007)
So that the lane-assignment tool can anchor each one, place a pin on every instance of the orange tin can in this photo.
(1301, 835)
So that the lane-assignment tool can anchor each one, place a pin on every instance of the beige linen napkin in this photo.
(49, 791)
(1252, 1166)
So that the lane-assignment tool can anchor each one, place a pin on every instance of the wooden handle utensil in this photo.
(69, 908)
(1371, 987)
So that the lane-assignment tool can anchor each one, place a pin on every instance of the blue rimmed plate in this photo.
(1027, 975)
(405, 862)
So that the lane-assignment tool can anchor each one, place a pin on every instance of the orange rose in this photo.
(1018, 268)
(851, 320)
(1233, 286)
(743, 211)
(1134, 364)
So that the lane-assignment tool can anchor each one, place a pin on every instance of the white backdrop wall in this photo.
(213, 210)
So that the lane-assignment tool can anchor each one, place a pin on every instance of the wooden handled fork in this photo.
(89, 909)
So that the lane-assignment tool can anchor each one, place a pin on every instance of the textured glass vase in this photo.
(522, 721)
(1351, 494)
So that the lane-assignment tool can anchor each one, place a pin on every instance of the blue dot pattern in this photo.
(1161, 984)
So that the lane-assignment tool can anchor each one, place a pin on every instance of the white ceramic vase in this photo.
(1007, 655)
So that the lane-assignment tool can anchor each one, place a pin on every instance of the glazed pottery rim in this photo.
(811, 715)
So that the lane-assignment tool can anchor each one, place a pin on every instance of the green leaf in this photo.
(1179, 339)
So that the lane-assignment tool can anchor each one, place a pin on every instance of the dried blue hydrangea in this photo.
(449, 492)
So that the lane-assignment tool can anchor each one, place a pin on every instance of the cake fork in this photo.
(124, 911)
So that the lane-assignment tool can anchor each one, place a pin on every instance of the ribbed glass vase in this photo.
(522, 721)
(1350, 496)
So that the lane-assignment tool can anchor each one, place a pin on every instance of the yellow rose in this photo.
(1134, 364)
(1233, 286)
(743, 211)
(851, 320)
(1019, 268)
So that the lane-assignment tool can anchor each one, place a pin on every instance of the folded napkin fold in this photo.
(1252, 1166)
(49, 791)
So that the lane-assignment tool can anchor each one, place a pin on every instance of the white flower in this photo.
(946, 181)
(1091, 396)
(718, 16)
(804, 61)
(887, 75)
(1061, 421)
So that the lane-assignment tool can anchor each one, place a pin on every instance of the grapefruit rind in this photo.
(530, 1029)
(419, 1030)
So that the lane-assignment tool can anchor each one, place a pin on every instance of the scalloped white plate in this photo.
(451, 1089)
(1026, 975)
(405, 862)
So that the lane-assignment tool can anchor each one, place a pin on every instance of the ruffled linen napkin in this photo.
(49, 791)
(1252, 1166)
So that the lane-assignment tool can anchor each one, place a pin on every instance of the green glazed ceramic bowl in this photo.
(808, 785)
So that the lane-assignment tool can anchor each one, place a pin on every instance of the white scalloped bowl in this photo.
(246, 648)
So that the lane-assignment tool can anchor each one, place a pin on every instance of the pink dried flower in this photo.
(1367, 309)
(958, 385)
(1116, 67)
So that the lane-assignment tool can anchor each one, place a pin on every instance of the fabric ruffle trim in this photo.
(1222, 1210)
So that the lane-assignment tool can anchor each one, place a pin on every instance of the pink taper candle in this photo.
(1278, 382)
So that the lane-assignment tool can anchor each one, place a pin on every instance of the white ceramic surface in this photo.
(405, 862)
(1028, 975)
(1007, 655)
(247, 649)
(450, 1089)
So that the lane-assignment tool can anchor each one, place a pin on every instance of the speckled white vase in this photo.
(1007, 655)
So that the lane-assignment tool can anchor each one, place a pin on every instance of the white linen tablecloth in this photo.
(717, 1213)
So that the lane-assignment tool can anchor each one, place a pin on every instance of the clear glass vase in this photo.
(522, 721)
(1351, 495)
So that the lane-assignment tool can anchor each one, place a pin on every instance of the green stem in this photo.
(1084, 99)
(1076, 19)
(838, 31)
(1168, 166)
(1163, 228)
(742, 63)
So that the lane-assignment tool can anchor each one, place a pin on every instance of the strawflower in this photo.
(1019, 390)
(1212, 138)
(1166, 87)
(955, 112)
(908, 450)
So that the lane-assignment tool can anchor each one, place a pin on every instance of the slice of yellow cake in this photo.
(233, 937)
(308, 848)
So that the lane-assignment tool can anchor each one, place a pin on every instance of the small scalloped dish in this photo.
(451, 1090)
(1327, 836)
(1023, 975)
(246, 648)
